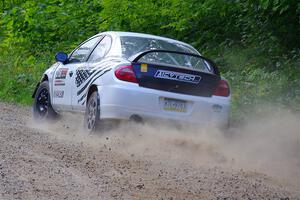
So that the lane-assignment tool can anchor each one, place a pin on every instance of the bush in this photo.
(255, 42)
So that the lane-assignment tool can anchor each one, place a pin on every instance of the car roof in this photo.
(133, 34)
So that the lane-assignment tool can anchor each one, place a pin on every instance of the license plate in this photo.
(174, 105)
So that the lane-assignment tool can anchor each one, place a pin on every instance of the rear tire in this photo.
(92, 113)
(42, 108)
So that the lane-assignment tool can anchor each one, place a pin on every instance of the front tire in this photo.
(92, 113)
(42, 108)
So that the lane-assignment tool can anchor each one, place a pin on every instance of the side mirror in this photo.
(61, 57)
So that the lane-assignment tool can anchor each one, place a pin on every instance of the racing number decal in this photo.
(58, 94)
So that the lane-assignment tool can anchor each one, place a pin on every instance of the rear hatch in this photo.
(177, 72)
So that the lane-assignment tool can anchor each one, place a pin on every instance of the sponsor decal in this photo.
(190, 78)
(59, 94)
(144, 67)
(59, 82)
(61, 73)
(217, 108)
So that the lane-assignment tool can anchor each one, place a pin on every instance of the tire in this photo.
(92, 113)
(42, 108)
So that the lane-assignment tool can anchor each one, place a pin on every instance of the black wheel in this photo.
(42, 108)
(92, 113)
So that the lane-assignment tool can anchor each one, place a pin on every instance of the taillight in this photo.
(222, 89)
(126, 73)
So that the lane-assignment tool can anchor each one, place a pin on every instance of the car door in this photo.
(85, 75)
(65, 74)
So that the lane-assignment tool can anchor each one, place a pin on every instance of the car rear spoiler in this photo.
(138, 56)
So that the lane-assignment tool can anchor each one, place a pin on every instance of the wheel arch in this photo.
(44, 78)
(92, 89)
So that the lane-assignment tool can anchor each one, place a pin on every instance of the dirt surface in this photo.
(59, 161)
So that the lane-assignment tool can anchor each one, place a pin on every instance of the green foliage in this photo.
(41, 25)
(254, 83)
(193, 21)
(255, 42)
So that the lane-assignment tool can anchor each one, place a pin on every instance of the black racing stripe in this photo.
(91, 77)
(88, 83)
(100, 75)
(81, 98)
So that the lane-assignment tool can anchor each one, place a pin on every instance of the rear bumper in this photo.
(125, 100)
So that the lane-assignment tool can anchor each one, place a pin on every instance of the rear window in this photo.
(133, 45)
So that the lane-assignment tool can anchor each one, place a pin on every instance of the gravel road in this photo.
(59, 161)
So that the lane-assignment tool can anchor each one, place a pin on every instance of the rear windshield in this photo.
(133, 45)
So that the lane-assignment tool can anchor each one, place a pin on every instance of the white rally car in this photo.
(123, 75)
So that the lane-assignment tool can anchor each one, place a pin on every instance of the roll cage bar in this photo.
(138, 56)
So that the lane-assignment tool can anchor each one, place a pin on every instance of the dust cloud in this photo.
(267, 144)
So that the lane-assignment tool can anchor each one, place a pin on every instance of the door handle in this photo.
(71, 73)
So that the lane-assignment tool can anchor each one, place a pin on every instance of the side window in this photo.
(101, 50)
(82, 52)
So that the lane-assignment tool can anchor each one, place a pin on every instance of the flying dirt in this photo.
(260, 160)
